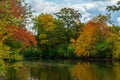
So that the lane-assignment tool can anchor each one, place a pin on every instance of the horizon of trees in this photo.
(61, 36)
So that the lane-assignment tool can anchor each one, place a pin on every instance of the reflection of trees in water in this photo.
(45, 72)
(92, 71)
(103, 70)
(80, 71)
(116, 71)
(2, 70)
(83, 71)
(17, 71)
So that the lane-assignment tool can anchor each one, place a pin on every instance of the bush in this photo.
(102, 50)
(31, 52)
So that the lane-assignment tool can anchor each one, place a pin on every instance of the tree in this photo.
(115, 36)
(43, 26)
(93, 33)
(16, 9)
(114, 8)
(12, 12)
(69, 16)
(71, 21)
(114, 39)
(21, 35)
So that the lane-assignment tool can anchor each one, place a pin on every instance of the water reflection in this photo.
(83, 71)
(63, 71)
(50, 72)
(92, 71)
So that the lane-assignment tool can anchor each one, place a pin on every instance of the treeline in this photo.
(61, 35)
(65, 36)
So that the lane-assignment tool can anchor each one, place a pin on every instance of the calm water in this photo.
(63, 70)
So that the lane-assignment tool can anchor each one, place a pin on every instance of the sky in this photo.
(87, 8)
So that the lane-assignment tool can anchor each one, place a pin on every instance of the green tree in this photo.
(114, 39)
(44, 27)
(69, 16)
(114, 8)
(51, 36)
(71, 21)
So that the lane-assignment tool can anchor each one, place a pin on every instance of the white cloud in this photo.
(114, 1)
(43, 6)
(87, 9)
(118, 20)
(67, 0)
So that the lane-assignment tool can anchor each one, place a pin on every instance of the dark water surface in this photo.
(63, 70)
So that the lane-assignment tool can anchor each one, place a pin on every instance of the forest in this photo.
(61, 35)
(55, 36)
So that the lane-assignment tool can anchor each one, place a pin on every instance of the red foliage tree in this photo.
(22, 35)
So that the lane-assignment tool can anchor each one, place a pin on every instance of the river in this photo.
(63, 70)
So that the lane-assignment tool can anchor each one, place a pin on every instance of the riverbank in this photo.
(91, 59)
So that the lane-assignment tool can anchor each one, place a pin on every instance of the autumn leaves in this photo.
(61, 35)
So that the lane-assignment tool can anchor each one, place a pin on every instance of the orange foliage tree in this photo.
(92, 33)
(22, 35)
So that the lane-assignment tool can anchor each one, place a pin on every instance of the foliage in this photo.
(69, 16)
(31, 52)
(114, 8)
(52, 37)
(71, 21)
(17, 9)
(103, 49)
(12, 37)
(114, 39)
(22, 35)
(93, 32)
(44, 25)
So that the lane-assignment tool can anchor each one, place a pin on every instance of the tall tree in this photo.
(93, 33)
(69, 16)
(115, 36)
(71, 20)
(12, 12)
(44, 25)
(114, 39)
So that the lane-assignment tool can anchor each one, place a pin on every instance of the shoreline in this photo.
(90, 59)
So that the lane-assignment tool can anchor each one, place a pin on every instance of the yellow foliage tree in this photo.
(115, 40)
(92, 33)
(44, 25)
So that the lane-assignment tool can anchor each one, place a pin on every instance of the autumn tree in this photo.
(43, 26)
(114, 39)
(12, 12)
(115, 35)
(17, 10)
(19, 37)
(51, 36)
(93, 33)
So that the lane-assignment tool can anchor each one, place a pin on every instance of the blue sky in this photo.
(88, 8)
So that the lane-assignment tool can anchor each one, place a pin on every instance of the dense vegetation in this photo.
(61, 36)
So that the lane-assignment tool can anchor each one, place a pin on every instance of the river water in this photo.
(63, 70)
